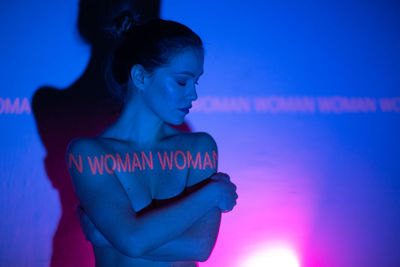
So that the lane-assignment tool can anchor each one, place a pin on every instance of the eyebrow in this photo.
(189, 73)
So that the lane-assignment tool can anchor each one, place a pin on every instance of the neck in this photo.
(137, 124)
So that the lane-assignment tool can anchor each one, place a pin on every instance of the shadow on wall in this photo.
(82, 110)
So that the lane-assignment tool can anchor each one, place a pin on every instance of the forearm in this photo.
(159, 226)
(195, 244)
(182, 248)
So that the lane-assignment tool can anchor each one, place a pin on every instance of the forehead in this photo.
(189, 59)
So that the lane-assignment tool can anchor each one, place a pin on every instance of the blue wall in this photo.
(302, 98)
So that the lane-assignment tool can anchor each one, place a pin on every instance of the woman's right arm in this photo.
(109, 208)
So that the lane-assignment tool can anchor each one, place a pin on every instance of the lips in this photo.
(188, 107)
(186, 110)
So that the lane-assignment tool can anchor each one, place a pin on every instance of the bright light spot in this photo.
(272, 256)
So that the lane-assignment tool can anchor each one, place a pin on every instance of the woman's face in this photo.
(173, 87)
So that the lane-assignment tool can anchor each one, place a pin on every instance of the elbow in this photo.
(129, 248)
(203, 257)
(206, 248)
(204, 254)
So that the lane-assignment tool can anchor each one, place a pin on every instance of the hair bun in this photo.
(121, 24)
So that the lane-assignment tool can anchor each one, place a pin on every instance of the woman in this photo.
(166, 212)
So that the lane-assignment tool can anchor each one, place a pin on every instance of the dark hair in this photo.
(95, 15)
(150, 44)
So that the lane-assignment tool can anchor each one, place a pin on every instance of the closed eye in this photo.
(184, 84)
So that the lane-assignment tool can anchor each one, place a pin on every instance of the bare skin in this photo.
(173, 185)
(156, 99)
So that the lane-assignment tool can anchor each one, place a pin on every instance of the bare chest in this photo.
(160, 172)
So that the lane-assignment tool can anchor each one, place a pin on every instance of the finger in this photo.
(232, 185)
(225, 175)
(228, 181)
(220, 176)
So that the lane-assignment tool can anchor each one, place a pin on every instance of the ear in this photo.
(139, 76)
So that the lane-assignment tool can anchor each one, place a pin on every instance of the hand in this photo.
(226, 190)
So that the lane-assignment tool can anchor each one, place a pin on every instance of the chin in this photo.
(176, 121)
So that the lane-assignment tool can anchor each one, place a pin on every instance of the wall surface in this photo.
(302, 99)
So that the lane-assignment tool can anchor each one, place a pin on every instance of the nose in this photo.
(193, 94)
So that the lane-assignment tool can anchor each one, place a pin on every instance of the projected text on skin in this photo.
(141, 161)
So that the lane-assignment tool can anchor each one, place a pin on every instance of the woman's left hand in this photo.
(92, 234)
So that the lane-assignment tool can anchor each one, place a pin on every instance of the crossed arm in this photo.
(195, 244)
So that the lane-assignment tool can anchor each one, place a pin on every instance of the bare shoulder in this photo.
(81, 144)
(87, 146)
(205, 158)
(79, 150)
(83, 160)
(199, 139)
(101, 195)
(206, 141)
(86, 158)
